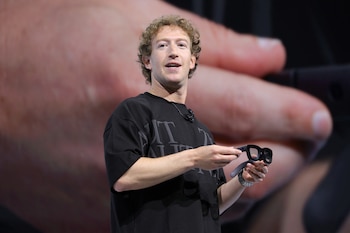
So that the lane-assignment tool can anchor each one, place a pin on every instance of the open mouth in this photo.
(172, 64)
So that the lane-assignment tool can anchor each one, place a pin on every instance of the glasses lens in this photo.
(254, 153)
(267, 155)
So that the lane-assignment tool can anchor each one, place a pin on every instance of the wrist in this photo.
(242, 181)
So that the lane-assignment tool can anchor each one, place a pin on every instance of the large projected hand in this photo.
(65, 65)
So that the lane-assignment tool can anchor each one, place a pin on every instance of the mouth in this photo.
(172, 64)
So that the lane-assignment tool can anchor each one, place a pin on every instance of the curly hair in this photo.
(145, 46)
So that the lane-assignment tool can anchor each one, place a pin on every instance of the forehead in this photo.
(171, 32)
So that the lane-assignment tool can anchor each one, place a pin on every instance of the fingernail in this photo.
(267, 43)
(321, 124)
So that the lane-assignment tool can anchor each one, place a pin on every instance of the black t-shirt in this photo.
(151, 126)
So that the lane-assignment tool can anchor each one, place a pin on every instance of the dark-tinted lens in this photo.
(267, 155)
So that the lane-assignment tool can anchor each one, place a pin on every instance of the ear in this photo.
(146, 61)
(193, 62)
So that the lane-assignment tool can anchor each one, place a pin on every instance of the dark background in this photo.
(314, 33)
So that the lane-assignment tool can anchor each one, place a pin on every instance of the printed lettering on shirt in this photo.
(164, 139)
(206, 138)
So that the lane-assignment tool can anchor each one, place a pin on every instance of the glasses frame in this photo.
(264, 154)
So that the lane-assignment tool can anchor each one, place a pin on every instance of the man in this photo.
(164, 170)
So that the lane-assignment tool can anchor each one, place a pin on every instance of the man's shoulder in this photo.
(135, 104)
(143, 99)
(139, 100)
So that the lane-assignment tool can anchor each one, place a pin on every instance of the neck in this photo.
(178, 96)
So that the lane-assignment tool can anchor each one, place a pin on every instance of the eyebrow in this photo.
(177, 40)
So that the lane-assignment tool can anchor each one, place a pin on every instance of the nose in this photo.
(173, 51)
(172, 55)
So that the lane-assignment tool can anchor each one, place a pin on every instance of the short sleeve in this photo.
(121, 146)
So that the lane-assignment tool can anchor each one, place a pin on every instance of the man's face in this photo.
(171, 58)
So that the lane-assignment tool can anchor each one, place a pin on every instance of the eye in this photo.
(182, 45)
(162, 45)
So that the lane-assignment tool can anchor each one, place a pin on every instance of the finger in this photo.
(255, 174)
(260, 165)
(226, 159)
(287, 161)
(237, 52)
(254, 168)
(258, 169)
(228, 150)
(227, 49)
(243, 108)
(242, 53)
